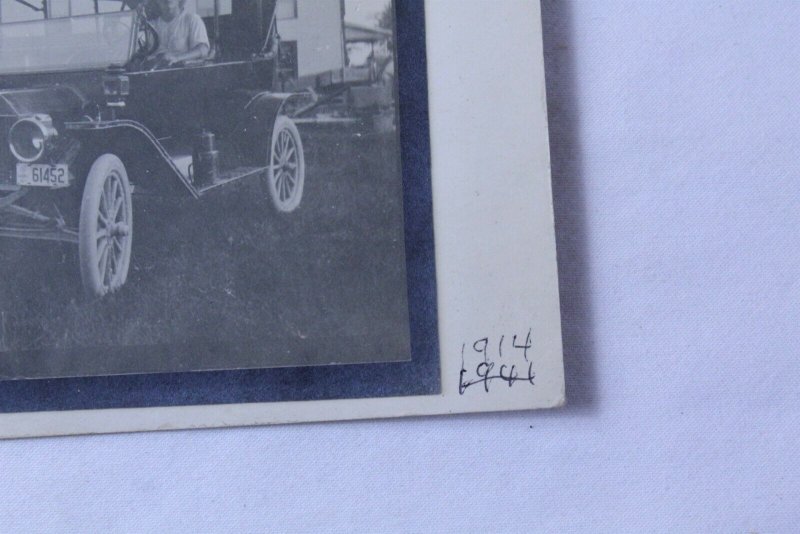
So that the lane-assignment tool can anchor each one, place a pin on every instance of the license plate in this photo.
(39, 175)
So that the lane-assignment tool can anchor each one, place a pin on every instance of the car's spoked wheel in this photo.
(287, 166)
(106, 227)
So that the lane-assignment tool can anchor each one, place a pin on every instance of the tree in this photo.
(386, 18)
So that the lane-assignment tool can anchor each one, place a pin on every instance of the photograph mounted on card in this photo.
(216, 180)
(222, 212)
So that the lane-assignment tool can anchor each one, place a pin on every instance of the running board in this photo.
(226, 177)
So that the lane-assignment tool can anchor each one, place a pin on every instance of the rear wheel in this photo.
(287, 166)
(106, 227)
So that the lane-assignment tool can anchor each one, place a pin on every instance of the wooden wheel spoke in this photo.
(289, 187)
(103, 263)
(106, 197)
(113, 259)
(114, 189)
(115, 210)
(279, 151)
(282, 187)
(284, 143)
(103, 207)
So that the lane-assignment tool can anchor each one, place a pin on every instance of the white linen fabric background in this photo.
(675, 132)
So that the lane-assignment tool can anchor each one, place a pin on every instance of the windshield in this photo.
(24, 10)
(76, 43)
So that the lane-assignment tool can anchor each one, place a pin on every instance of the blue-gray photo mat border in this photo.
(420, 376)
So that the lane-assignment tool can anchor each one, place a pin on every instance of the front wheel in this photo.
(286, 173)
(106, 227)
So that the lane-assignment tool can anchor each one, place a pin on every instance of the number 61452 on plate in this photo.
(40, 175)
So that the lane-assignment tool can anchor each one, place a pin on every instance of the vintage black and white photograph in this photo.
(245, 212)
(223, 177)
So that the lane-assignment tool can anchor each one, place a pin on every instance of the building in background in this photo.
(369, 47)
(312, 38)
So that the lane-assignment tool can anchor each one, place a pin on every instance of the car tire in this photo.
(286, 171)
(105, 231)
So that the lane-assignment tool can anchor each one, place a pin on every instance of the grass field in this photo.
(328, 278)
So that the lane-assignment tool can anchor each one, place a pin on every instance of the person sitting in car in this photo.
(182, 35)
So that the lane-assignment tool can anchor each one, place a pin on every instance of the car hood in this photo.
(57, 101)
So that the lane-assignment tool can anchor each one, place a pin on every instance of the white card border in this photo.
(495, 243)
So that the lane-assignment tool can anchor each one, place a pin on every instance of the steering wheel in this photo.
(149, 34)
(147, 39)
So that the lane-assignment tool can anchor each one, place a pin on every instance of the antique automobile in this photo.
(91, 122)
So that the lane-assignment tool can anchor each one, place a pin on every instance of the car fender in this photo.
(148, 164)
(254, 130)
